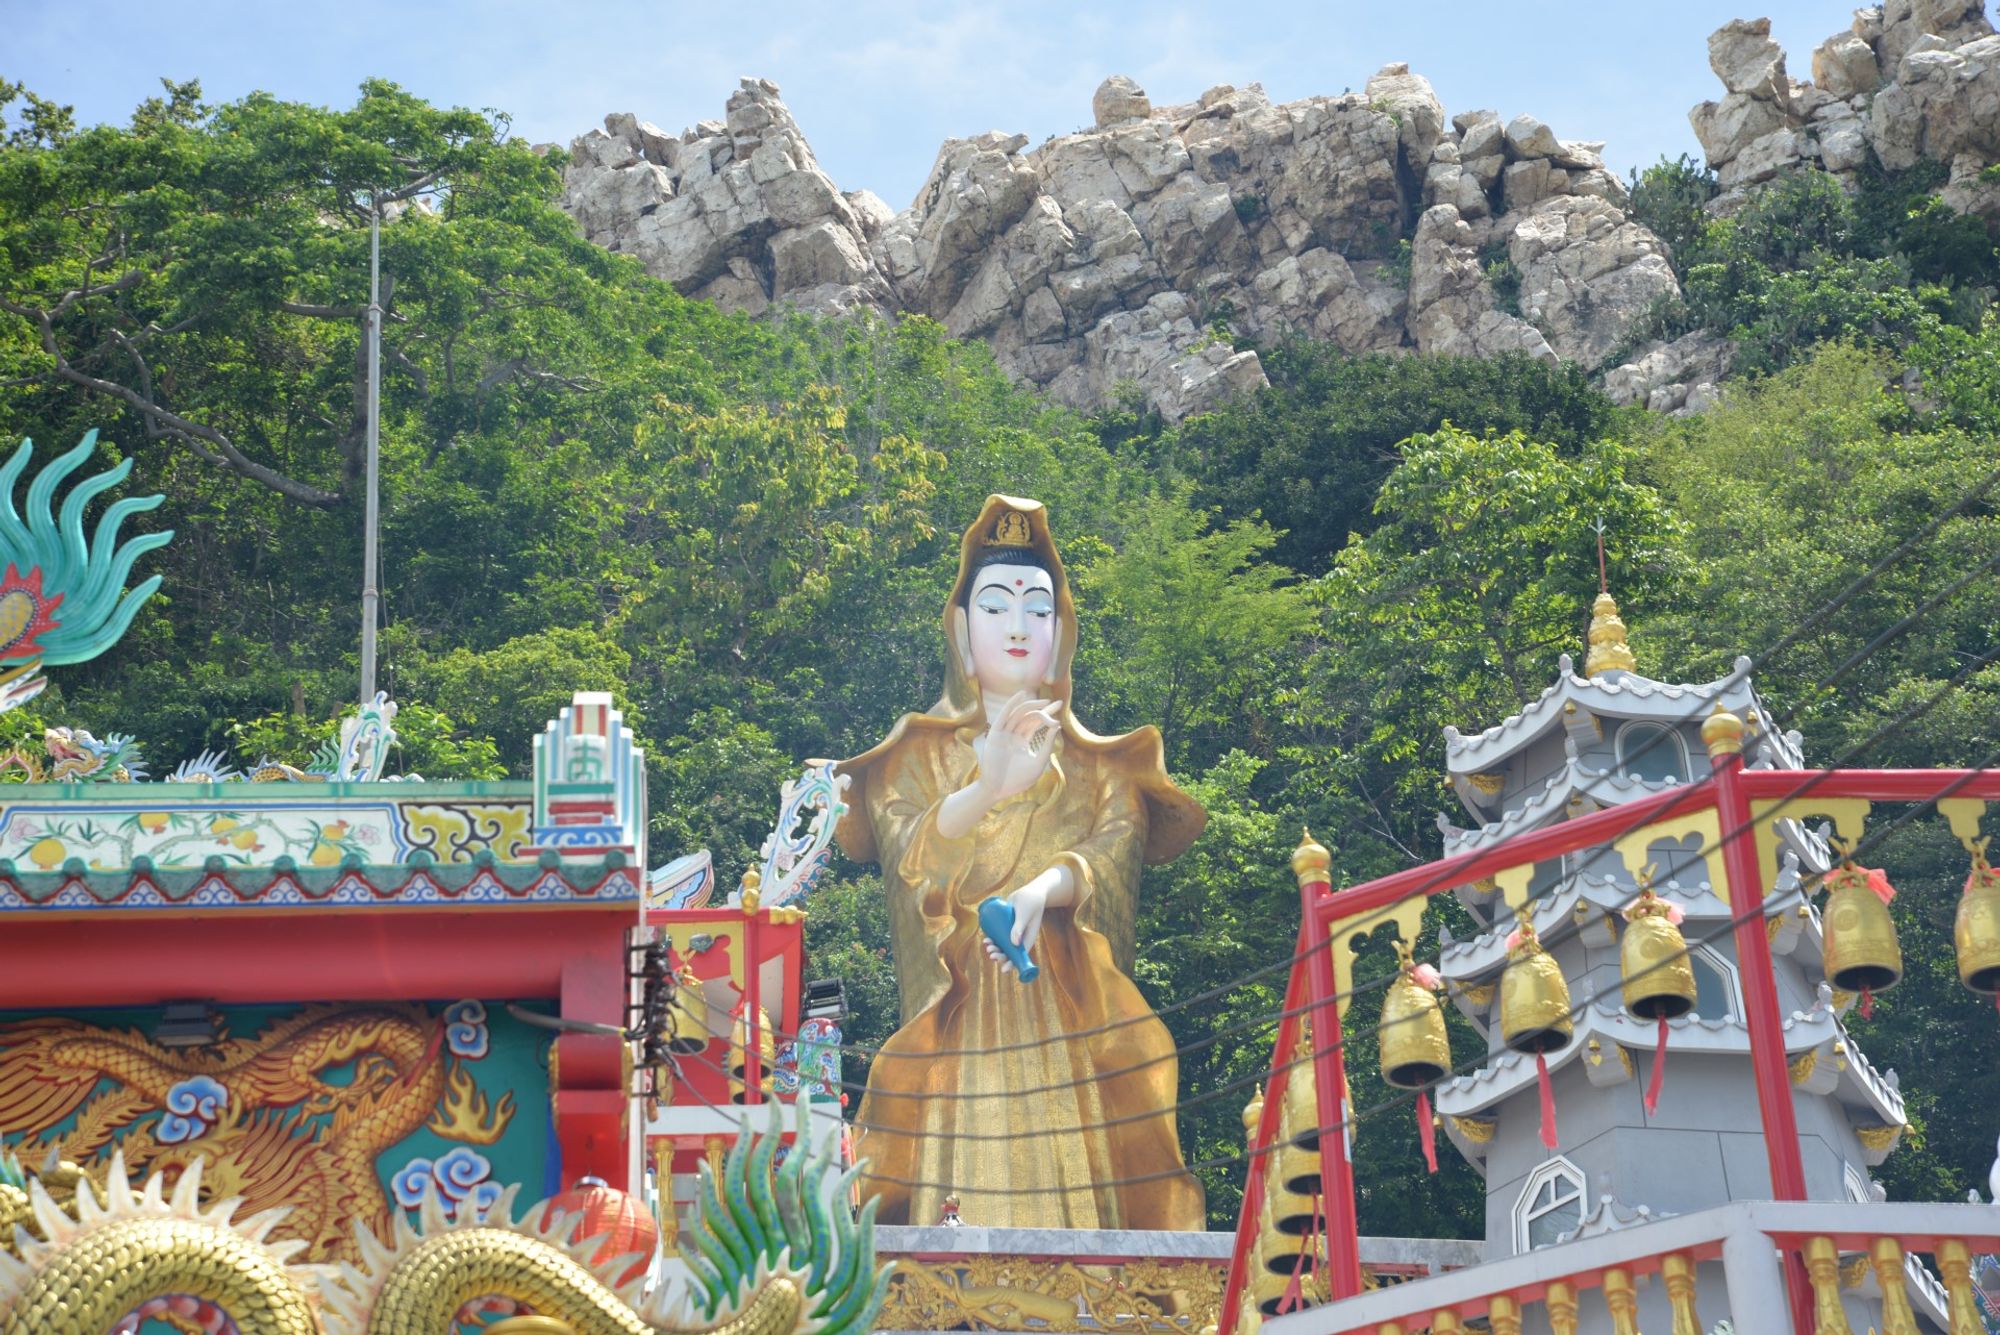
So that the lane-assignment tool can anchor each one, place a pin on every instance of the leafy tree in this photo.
(1183, 623)
(1308, 455)
(1668, 199)
(1455, 608)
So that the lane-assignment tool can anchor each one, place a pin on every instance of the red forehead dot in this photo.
(1017, 583)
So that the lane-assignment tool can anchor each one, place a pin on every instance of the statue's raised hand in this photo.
(1016, 750)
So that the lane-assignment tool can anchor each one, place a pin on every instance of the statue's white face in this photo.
(1011, 628)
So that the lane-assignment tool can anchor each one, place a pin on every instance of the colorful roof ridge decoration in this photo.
(590, 781)
(63, 597)
(418, 881)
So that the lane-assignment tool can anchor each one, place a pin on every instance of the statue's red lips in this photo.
(1018, 653)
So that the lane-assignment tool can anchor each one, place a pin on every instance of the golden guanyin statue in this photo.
(998, 791)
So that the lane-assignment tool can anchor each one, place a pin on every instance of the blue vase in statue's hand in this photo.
(996, 919)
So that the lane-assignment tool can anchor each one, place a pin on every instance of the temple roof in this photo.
(1610, 694)
(1837, 1065)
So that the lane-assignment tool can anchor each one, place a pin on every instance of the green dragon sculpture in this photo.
(62, 591)
(774, 1251)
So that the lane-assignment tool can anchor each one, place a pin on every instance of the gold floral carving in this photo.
(1878, 1139)
(1803, 1064)
(1029, 1293)
(1478, 1130)
(1487, 785)
(1480, 995)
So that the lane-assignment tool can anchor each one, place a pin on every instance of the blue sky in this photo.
(877, 86)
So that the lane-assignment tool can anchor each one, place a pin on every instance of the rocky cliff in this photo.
(1128, 254)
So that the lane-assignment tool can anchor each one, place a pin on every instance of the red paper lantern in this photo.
(624, 1223)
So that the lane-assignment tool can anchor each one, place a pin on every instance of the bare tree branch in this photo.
(206, 442)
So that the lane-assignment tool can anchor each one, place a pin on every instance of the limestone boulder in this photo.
(1413, 104)
(1530, 138)
(1727, 127)
(1480, 134)
(1587, 274)
(1159, 349)
(1766, 156)
(1969, 191)
(1747, 61)
(1321, 294)
(1118, 100)
(1843, 145)
(1451, 305)
(1663, 375)
(1944, 103)
(1844, 65)
(736, 210)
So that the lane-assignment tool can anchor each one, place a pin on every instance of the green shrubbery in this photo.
(1802, 261)
(745, 530)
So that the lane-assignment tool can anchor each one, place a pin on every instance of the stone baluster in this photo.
(1954, 1259)
(1623, 1300)
(1679, 1272)
(1823, 1268)
(1561, 1302)
(1503, 1315)
(1897, 1318)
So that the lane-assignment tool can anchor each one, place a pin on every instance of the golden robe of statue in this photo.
(1073, 1065)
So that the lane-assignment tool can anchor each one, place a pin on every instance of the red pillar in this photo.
(1723, 733)
(591, 1099)
(1343, 1232)
(753, 1001)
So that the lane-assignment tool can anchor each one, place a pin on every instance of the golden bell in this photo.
(1298, 1116)
(1292, 1214)
(690, 1027)
(1861, 951)
(1534, 998)
(1977, 932)
(1253, 1113)
(1653, 960)
(767, 1042)
(1297, 1148)
(1415, 1050)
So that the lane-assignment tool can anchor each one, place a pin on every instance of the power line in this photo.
(1394, 1101)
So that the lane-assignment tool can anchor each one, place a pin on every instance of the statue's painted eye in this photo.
(994, 604)
(1040, 605)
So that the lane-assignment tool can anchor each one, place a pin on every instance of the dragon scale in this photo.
(772, 1252)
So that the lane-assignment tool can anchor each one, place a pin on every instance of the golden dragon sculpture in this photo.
(774, 1251)
(274, 1142)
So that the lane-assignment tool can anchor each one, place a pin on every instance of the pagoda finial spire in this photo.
(1609, 651)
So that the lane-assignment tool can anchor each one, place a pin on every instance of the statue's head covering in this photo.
(1014, 525)
(1008, 528)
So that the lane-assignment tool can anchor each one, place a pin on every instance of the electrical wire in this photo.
(1402, 1098)
(1853, 589)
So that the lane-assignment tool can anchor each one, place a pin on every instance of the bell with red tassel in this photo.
(1416, 1053)
(1535, 1012)
(1658, 979)
(1861, 954)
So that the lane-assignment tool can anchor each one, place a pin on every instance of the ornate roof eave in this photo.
(1819, 1031)
(1573, 782)
(1611, 1215)
(420, 882)
(1609, 695)
(1615, 695)
(1572, 904)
